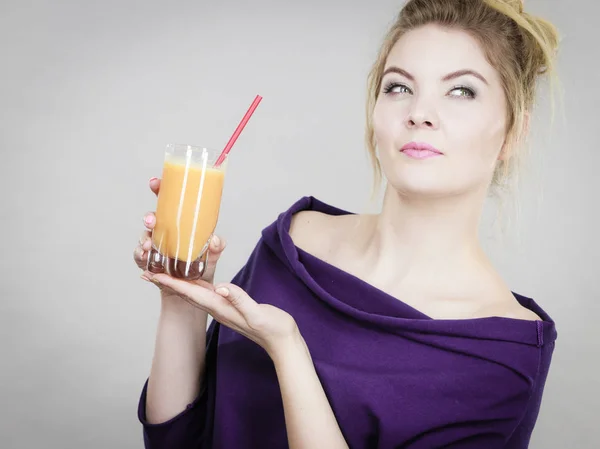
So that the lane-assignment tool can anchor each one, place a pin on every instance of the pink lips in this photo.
(420, 150)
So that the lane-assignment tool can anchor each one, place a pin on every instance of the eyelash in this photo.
(392, 85)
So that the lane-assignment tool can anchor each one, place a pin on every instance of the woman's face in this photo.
(438, 89)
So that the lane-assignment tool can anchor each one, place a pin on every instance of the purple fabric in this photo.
(394, 377)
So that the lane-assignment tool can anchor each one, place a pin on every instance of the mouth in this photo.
(420, 150)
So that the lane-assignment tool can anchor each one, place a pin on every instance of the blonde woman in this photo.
(377, 331)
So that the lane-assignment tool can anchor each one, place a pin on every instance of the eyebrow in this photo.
(445, 78)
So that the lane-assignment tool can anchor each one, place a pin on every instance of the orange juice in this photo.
(187, 210)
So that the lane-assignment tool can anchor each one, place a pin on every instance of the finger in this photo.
(202, 294)
(140, 257)
(204, 297)
(146, 241)
(149, 220)
(217, 245)
(147, 245)
(145, 235)
(239, 299)
(154, 185)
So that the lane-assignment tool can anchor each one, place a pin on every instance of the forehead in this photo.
(435, 51)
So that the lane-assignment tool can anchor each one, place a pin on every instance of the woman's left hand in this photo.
(266, 325)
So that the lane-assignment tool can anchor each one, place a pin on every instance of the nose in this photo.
(421, 115)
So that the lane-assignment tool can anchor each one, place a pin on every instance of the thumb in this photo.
(238, 299)
(216, 248)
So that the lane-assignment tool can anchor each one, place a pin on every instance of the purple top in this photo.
(394, 376)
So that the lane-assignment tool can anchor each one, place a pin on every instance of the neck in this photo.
(425, 239)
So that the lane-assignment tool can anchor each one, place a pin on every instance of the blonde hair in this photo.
(521, 47)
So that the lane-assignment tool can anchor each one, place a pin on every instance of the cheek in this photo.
(474, 130)
(387, 122)
(497, 132)
(492, 134)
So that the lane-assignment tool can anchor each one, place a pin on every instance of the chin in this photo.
(419, 190)
(422, 182)
(433, 181)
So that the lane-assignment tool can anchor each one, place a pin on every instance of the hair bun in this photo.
(517, 5)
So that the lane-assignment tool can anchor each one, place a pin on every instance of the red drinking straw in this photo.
(238, 131)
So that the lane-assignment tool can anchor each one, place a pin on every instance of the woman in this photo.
(377, 331)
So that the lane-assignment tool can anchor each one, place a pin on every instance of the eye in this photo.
(462, 91)
(395, 88)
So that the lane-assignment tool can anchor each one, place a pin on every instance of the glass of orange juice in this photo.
(187, 211)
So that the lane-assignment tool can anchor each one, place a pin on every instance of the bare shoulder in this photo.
(503, 302)
(509, 307)
(309, 229)
(316, 232)
(518, 312)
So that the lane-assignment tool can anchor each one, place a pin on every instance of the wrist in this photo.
(289, 348)
(173, 305)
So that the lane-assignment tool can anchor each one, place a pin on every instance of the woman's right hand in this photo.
(141, 251)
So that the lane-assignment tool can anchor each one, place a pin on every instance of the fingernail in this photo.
(152, 179)
(144, 277)
(148, 219)
(216, 241)
(222, 291)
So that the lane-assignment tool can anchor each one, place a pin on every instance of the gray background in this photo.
(91, 92)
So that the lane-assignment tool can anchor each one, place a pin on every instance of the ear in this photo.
(505, 151)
